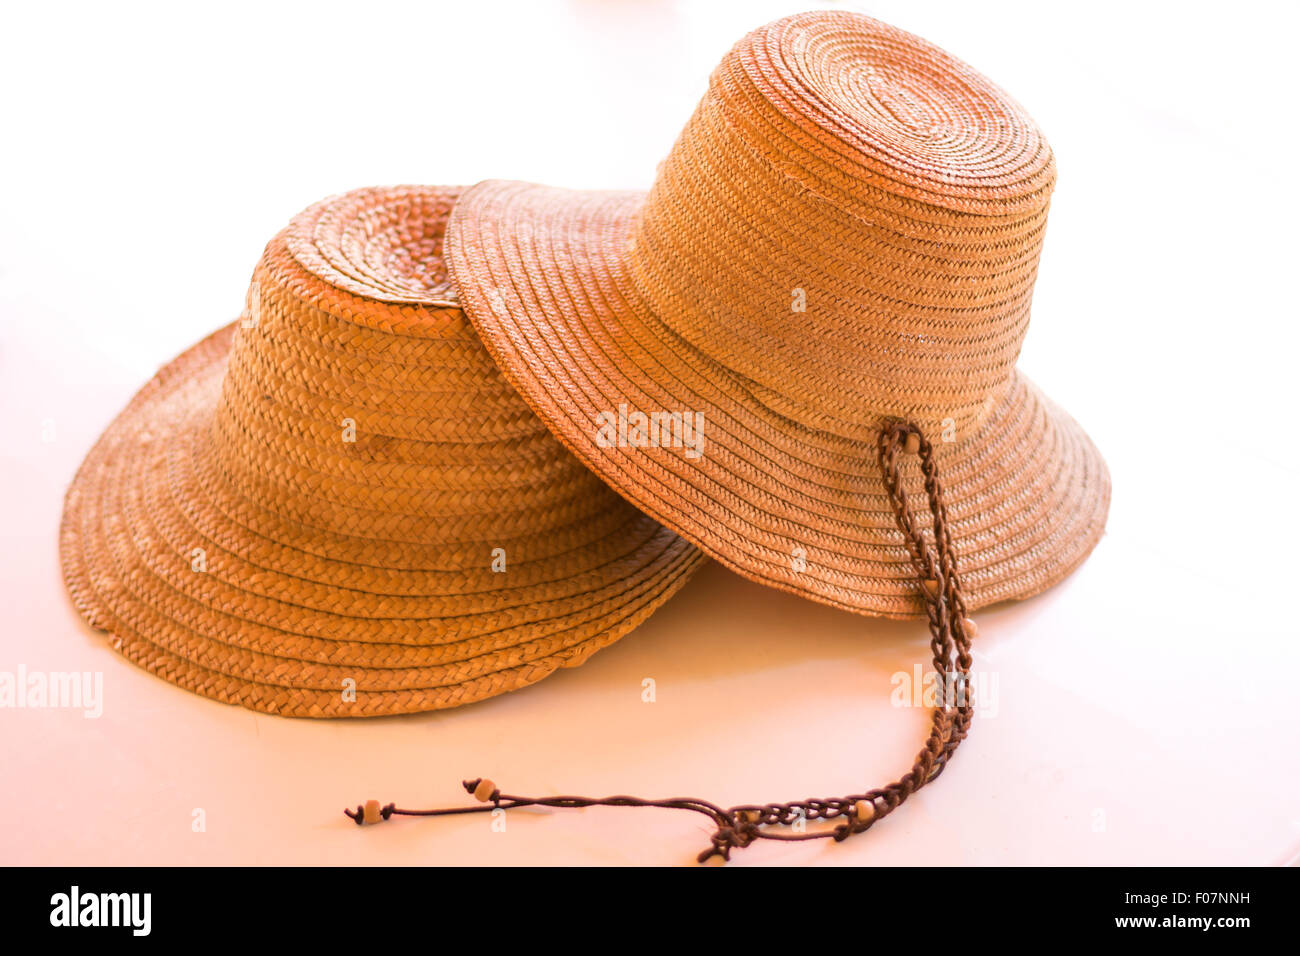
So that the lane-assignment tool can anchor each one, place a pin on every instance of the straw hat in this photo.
(337, 507)
(846, 234)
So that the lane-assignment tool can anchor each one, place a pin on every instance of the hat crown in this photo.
(851, 221)
(359, 401)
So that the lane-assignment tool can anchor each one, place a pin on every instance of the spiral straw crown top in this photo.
(355, 369)
(852, 221)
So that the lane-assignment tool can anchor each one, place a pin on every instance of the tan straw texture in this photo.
(846, 233)
(307, 513)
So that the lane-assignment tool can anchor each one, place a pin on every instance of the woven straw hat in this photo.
(337, 506)
(846, 233)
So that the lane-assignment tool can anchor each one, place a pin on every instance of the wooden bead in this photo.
(750, 816)
(864, 810)
(969, 629)
(716, 859)
(483, 792)
(913, 443)
(372, 813)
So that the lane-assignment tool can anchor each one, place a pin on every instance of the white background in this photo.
(147, 152)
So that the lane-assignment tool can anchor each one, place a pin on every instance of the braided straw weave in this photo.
(846, 234)
(235, 539)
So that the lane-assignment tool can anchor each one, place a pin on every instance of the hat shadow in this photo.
(724, 627)
(722, 624)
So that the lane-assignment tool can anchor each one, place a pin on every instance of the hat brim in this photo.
(275, 623)
(543, 274)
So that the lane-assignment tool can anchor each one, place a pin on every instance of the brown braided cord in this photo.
(950, 644)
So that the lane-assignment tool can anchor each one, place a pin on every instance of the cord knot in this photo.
(730, 836)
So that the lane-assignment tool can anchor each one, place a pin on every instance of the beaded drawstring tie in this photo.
(951, 635)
